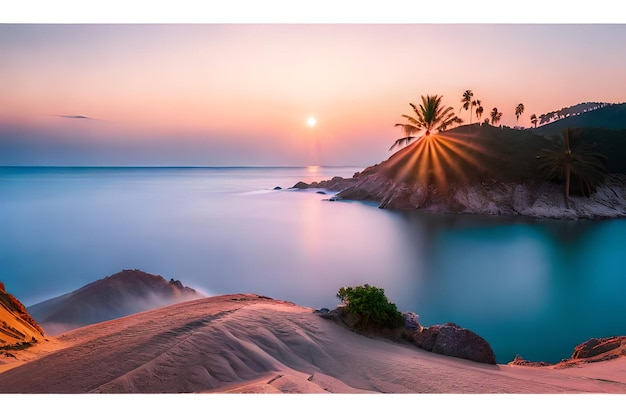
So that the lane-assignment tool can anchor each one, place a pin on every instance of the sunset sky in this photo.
(240, 94)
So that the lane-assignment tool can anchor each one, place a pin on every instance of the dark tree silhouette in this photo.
(479, 109)
(495, 116)
(572, 161)
(468, 104)
(518, 111)
(430, 116)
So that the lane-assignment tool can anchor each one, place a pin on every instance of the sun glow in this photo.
(437, 159)
(311, 121)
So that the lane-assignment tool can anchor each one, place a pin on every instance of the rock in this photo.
(452, 340)
(354, 193)
(519, 361)
(426, 338)
(599, 346)
(300, 185)
(538, 199)
(411, 321)
(277, 188)
(320, 192)
(17, 327)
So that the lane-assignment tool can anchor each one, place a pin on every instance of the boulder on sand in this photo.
(452, 340)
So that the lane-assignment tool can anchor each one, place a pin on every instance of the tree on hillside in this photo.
(533, 119)
(573, 162)
(479, 110)
(434, 160)
(495, 116)
(468, 103)
(518, 111)
(429, 117)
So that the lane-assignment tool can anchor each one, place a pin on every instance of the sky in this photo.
(240, 93)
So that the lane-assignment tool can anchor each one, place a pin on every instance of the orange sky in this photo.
(240, 94)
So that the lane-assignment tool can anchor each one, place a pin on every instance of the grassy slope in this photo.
(510, 155)
(609, 117)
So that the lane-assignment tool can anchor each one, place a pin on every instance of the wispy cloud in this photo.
(73, 116)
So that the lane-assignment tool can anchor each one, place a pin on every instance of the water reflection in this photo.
(535, 288)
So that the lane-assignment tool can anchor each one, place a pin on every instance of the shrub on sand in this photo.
(369, 306)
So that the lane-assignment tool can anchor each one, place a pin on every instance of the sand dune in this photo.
(250, 344)
(126, 292)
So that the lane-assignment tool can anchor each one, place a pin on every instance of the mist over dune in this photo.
(126, 292)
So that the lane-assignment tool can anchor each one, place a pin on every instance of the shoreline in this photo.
(531, 199)
(254, 344)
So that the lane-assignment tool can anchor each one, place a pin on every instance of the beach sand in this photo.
(244, 343)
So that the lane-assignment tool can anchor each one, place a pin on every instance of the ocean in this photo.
(531, 287)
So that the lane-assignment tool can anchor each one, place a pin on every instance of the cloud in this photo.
(73, 116)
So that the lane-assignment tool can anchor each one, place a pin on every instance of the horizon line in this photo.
(179, 166)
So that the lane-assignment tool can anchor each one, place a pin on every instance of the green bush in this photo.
(369, 306)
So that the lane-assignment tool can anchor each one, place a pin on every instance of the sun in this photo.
(311, 121)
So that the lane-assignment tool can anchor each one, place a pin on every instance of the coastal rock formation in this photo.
(601, 349)
(17, 327)
(519, 361)
(452, 340)
(121, 294)
(492, 171)
(590, 351)
(530, 198)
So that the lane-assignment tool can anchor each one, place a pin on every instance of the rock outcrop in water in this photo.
(491, 197)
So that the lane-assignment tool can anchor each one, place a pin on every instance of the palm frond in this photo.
(408, 129)
(430, 116)
(402, 142)
(587, 167)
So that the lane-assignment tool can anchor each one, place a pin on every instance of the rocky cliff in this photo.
(529, 198)
(17, 327)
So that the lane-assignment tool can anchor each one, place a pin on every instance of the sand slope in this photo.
(251, 344)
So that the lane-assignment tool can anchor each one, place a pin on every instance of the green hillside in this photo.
(500, 153)
(609, 117)
(509, 154)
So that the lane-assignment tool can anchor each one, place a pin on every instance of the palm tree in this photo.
(495, 116)
(429, 117)
(518, 111)
(479, 110)
(573, 162)
(468, 103)
(533, 119)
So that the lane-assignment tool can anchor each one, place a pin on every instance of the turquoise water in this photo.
(530, 287)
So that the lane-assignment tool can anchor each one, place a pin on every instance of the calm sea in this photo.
(534, 288)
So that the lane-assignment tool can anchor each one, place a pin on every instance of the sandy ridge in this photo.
(245, 343)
